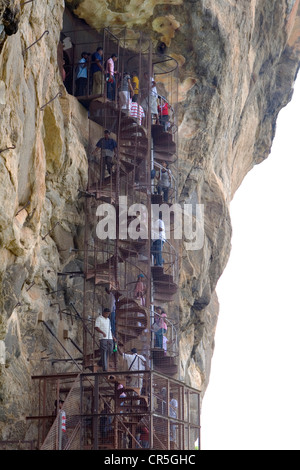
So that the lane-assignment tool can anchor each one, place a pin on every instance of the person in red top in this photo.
(144, 436)
(163, 113)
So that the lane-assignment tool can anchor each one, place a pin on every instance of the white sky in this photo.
(253, 399)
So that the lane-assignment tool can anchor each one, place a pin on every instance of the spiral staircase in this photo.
(129, 398)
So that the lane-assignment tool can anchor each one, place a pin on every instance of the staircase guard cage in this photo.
(121, 411)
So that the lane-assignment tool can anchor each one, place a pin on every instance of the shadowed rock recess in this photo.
(238, 62)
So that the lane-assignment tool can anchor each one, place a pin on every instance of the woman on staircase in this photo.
(159, 327)
(140, 290)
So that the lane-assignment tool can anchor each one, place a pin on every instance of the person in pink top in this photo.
(163, 323)
(111, 78)
(159, 327)
(140, 290)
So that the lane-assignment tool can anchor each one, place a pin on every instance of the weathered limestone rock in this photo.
(238, 60)
(2, 353)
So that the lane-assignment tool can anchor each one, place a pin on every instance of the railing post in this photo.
(96, 412)
(59, 422)
(151, 430)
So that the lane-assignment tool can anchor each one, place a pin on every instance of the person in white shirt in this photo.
(173, 406)
(112, 307)
(151, 100)
(158, 239)
(135, 362)
(165, 344)
(103, 326)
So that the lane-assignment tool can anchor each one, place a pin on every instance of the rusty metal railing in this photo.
(123, 410)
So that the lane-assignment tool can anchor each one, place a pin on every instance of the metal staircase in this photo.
(93, 397)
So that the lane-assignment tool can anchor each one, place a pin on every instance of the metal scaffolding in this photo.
(103, 411)
(121, 408)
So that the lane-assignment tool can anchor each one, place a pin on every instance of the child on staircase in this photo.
(140, 290)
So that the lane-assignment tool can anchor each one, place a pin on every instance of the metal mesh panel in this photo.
(63, 436)
(112, 408)
(168, 401)
(123, 410)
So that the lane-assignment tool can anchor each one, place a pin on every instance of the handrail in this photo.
(166, 100)
(165, 318)
(173, 190)
(174, 257)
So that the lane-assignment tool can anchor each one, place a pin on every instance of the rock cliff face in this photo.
(238, 62)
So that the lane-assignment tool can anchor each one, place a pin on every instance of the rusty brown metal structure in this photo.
(119, 408)
(103, 412)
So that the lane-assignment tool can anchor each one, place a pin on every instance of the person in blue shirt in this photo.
(82, 75)
(97, 71)
(108, 148)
